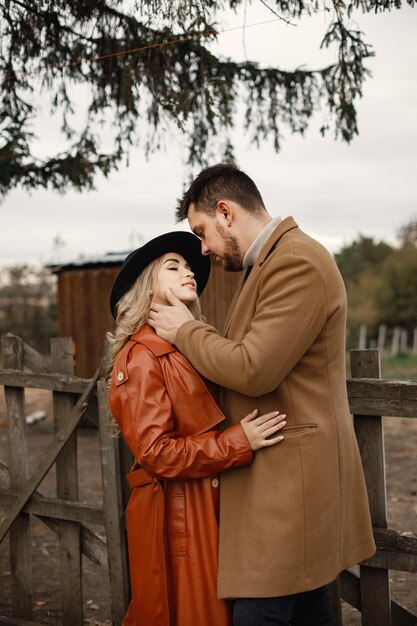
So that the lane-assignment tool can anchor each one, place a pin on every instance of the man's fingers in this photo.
(171, 298)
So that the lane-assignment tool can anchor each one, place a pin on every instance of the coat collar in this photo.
(148, 337)
(283, 227)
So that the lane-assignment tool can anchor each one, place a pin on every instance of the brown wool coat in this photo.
(168, 419)
(299, 514)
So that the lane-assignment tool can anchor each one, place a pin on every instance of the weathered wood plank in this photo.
(92, 544)
(113, 511)
(67, 489)
(12, 621)
(392, 398)
(51, 382)
(65, 510)
(396, 540)
(396, 550)
(54, 449)
(35, 361)
(385, 559)
(350, 588)
(20, 543)
(374, 583)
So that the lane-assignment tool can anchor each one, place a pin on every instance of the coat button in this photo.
(215, 482)
(120, 376)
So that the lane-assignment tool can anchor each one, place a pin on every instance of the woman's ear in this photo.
(225, 212)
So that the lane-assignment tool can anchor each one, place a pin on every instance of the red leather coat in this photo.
(168, 418)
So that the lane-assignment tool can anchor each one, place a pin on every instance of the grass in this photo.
(401, 367)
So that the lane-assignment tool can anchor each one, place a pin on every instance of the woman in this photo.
(169, 420)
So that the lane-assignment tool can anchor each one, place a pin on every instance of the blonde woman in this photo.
(170, 421)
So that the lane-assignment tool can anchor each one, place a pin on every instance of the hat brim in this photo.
(184, 243)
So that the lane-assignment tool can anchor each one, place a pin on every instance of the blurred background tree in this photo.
(381, 281)
(397, 297)
(28, 304)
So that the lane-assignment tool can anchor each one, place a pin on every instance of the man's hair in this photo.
(217, 182)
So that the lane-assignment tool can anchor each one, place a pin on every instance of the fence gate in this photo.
(73, 397)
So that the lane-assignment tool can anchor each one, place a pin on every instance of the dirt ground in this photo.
(401, 452)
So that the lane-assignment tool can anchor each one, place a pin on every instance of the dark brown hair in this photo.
(217, 182)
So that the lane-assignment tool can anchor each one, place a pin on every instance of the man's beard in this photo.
(232, 257)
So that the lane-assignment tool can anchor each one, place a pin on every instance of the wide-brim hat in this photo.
(186, 244)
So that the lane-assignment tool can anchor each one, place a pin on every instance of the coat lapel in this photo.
(283, 227)
(236, 295)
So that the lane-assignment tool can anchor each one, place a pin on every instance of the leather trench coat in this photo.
(169, 420)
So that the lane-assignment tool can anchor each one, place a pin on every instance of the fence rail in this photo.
(370, 397)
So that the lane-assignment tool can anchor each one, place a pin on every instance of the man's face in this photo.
(216, 240)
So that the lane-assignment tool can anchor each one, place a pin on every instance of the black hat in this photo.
(186, 244)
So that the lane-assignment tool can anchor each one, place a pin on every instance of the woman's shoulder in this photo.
(147, 337)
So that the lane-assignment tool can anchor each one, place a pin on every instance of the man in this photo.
(299, 515)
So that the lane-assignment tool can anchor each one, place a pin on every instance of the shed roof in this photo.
(105, 260)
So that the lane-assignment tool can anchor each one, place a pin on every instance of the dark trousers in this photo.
(311, 608)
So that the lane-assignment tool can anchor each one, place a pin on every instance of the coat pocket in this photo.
(176, 519)
(301, 429)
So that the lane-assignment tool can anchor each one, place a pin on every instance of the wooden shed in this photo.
(83, 304)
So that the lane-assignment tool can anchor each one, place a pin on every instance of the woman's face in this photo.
(176, 274)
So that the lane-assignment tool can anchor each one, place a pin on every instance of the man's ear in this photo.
(225, 211)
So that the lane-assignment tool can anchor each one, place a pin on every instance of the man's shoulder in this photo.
(295, 247)
(297, 243)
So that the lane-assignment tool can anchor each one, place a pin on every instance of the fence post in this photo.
(403, 341)
(362, 336)
(395, 347)
(113, 510)
(382, 335)
(374, 583)
(19, 537)
(67, 489)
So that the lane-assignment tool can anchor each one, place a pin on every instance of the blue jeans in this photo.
(310, 608)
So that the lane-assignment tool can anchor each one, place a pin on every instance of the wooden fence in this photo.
(65, 515)
(369, 397)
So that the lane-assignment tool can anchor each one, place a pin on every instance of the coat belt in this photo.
(139, 477)
(150, 605)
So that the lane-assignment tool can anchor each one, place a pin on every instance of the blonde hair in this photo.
(132, 313)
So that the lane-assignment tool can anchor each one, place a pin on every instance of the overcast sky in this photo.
(335, 191)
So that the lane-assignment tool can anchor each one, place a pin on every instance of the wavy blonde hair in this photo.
(131, 314)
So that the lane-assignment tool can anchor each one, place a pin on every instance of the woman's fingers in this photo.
(271, 421)
(273, 441)
(266, 417)
(260, 430)
(273, 429)
(250, 416)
